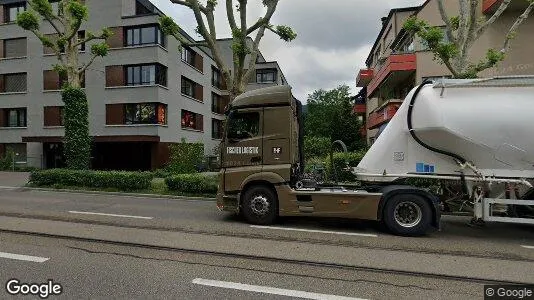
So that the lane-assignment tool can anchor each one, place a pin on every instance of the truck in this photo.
(471, 136)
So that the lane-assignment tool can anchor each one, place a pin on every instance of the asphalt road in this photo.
(181, 247)
(88, 270)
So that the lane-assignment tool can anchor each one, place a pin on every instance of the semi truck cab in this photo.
(262, 160)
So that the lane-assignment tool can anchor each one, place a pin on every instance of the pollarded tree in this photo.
(204, 15)
(462, 32)
(66, 21)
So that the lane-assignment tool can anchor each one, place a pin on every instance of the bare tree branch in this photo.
(82, 69)
(54, 47)
(54, 25)
(182, 2)
(493, 18)
(254, 56)
(88, 39)
(243, 14)
(511, 33)
(463, 22)
(230, 14)
(448, 24)
(271, 8)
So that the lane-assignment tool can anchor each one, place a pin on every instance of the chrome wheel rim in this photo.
(259, 205)
(408, 214)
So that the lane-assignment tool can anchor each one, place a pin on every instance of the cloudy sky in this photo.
(334, 37)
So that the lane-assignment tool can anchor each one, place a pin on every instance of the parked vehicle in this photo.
(473, 136)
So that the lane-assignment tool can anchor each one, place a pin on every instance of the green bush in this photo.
(314, 163)
(340, 163)
(185, 158)
(6, 162)
(77, 139)
(124, 181)
(192, 183)
(316, 146)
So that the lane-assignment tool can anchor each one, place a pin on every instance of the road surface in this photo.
(101, 246)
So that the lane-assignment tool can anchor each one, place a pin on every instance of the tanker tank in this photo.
(486, 122)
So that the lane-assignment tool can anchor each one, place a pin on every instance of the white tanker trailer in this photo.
(476, 137)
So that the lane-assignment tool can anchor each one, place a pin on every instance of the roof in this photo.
(274, 95)
(390, 14)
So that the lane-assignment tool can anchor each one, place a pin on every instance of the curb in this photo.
(138, 195)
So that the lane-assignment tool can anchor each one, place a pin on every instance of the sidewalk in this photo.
(13, 179)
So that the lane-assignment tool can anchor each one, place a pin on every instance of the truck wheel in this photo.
(408, 215)
(260, 205)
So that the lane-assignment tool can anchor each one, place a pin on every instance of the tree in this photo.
(330, 116)
(66, 22)
(462, 32)
(204, 15)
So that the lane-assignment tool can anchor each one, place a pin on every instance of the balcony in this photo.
(400, 64)
(364, 77)
(383, 113)
(359, 109)
(490, 6)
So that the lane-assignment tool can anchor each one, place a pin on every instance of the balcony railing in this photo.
(383, 114)
(394, 63)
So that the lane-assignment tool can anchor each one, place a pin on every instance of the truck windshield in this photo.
(243, 125)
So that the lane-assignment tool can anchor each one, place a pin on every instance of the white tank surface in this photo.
(487, 122)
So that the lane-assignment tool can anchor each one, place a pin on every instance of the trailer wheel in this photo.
(408, 215)
(260, 205)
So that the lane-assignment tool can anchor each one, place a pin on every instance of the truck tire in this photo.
(260, 205)
(407, 215)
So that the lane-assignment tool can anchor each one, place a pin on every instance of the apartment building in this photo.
(399, 61)
(144, 96)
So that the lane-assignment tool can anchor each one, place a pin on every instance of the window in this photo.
(146, 113)
(216, 78)
(12, 10)
(144, 35)
(146, 75)
(188, 87)
(266, 76)
(217, 104)
(216, 129)
(15, 117)
(188, 56)
(15, 48)
(81, 37)
(13, 83)
(192, 120)
(243, 125)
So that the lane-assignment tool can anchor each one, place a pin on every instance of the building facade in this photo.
(399, 61)
(144, 96)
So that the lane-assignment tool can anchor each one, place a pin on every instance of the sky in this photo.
(333, 42)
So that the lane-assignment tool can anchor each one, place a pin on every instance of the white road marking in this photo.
(23, 257)
(269, 290)
(528, 247)
(108, 215)
(315, 231)
(8, 187)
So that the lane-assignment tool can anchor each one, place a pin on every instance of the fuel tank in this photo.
(488, 122)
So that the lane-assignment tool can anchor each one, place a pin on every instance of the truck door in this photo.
(242, 151)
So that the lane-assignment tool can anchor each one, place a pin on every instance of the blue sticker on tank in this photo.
(424, 168)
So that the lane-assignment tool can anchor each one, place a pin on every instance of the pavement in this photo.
(13, 179)
(100, 246)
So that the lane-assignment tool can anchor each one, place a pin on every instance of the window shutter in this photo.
(114, 76)
(50, 80)
(1, 43)
(115, 114)
(52, 116)
(199, 62)
(117, 39)
(15, 47)
(199, 92)
(2, 84)
(200, 122)
(2, 120)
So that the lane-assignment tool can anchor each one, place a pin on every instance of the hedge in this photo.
(185, 158)
(192, 183)
(124, 181)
